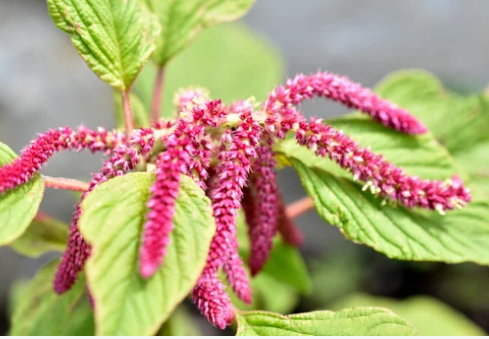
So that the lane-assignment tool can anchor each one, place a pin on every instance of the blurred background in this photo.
(44, 84)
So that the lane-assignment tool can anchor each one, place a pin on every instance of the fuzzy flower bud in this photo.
(125, 158)
(379, 175)
(34, 156)
(340, 89)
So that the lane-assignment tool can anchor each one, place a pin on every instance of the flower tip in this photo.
(148, 269)
(224, 319)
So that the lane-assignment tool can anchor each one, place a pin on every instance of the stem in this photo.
(66, 184)
(128, 113)
(157, 95)
(299, 207)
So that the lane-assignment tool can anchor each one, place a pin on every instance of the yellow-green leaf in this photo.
(364, 321)
(18, 206)
(183, 20)
(114, 37)
(112, 221)
(43, 235)
(430, 316)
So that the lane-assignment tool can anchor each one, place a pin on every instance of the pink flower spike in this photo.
(125, 158)
(266, 210)
(187, 152)
(379, 175)
(350, 94)
(34, 156)
(286, 226)
(212, 301)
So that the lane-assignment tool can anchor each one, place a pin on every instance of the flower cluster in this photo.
(228, 151)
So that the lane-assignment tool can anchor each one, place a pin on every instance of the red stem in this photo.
(66, 184)
(299, 207)
(157, 95)
(128, 113)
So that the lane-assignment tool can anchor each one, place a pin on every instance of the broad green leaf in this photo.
(183, 20)
(229, 60)
(44, 235)
(141, 116)
(41, 311)
(114, 37)
(416, 235)
(112, 221)
(366, 321)
(420, 155)
(458, 121)
(18, 206)
(180, 324)
(16, 294)
(430, 316)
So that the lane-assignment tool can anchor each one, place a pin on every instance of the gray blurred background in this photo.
(44, 83)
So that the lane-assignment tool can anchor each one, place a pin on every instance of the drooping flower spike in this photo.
(232, 174)
(379, 175)
(34, 156)
(187, 152)
(337, 88)
(125, 158)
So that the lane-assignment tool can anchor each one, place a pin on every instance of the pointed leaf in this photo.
(415, 235)
(43, 235)
(114, 37)
(229, 60)
(18, 206)
(365, 321)
(430, 316)
(183, 20)
(112, 220)
(41, 311)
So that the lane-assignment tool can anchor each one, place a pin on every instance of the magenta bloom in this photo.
(188, 151)
(378, 174)
(266, 211)
(34, 156)
(125, 158)
(350, 94)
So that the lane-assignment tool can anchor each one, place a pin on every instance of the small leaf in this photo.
(18, 206)
(115, 38)
(183, 20)
(430, 316)
(415, 235)
(41, 311)
(141, 116)
(180, 324)
(229, 60)
(112, 221)
(44, 235)
(365, 321)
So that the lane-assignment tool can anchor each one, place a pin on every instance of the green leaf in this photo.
(141, 116)
(229, 60)
(114, 37)
(112, 221)
(430, 316)
(416, 235)
(41, 311)
(180, 324)
(183, 20)
(44, 235)
(366, 321)
(18, 206)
